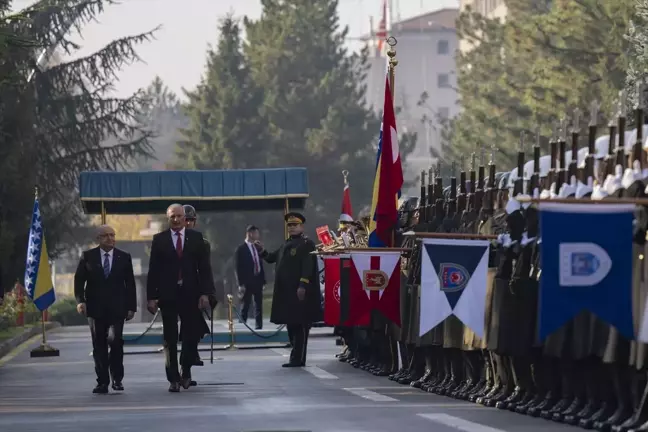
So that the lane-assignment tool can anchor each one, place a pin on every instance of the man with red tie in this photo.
(250, 276)
(179, 283)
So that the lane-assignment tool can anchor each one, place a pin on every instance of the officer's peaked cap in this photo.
(294, 217)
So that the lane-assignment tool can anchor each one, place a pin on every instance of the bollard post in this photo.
(230, 322)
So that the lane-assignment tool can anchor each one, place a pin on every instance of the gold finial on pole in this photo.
(36, 191)
(391, 53)
(345, 174)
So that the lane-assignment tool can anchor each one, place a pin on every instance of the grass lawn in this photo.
(9, 333)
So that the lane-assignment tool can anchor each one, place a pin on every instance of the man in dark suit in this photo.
(104, 287)
(179, 283)
(250, 276)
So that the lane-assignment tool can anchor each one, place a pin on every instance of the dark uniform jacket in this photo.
(295, 267)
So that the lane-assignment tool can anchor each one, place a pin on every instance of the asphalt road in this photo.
(243, 391)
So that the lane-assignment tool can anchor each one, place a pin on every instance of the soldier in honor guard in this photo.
(191, 219)
(296, 300)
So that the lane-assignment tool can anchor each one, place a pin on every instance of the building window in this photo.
(443, 81)
(443, 47)
(443, 113)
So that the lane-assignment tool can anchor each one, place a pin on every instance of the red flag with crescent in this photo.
(331, 290)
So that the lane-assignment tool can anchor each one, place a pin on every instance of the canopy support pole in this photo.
(103, 213)
(286, 211)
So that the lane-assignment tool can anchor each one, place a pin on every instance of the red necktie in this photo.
(256, 261)
(179, 252)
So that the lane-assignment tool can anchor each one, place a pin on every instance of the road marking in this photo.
(281, 351)
(24, 410)
(20, 348)
(459, 423)
(368, 394)
(319, 373)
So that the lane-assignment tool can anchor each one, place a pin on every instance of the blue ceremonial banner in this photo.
(453, 282)
(586, 261)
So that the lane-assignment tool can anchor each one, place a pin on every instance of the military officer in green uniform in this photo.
(296, 300)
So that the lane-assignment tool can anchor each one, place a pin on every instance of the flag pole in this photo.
(44, 350)
(393, 62)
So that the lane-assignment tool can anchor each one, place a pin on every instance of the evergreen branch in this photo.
(97, 68)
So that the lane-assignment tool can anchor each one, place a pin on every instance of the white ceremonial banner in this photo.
(453, 282)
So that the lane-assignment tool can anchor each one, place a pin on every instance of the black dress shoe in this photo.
(193, 383)
(292, 365)
(117, 386)
(100, 389)
(258, 327)
(174, 387)
(199, 362)
(185, 382)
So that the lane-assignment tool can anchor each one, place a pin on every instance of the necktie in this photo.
(179, 252)
(106, 265)
(179, 244)
(255, 258)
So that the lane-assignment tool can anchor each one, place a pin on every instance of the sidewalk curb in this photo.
(7, 346)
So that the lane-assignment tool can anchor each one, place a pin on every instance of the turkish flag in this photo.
(375, 284)
(331, 290)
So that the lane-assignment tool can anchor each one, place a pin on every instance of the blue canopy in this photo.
(218, 190)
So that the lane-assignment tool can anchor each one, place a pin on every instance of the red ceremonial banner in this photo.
(331, 290)
(375, 285)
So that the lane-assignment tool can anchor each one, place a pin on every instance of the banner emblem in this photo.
(453, 277)
(293, 251)
(336, 292)
(374, 280)
(583, 264)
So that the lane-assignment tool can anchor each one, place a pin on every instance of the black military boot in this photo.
(640, 415)
(622, 385)
(594, 376)
(488, 379)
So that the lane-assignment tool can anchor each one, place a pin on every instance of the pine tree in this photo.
(545, 60)
(162, 114)
(55, 120)
(226, 129)
(637, 37)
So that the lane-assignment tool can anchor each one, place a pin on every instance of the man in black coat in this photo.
(180, 284)
(296, 299)
(104, 287)
(250, 276)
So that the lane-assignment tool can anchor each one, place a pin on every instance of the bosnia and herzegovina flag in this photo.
(38, 277)
(388, 180)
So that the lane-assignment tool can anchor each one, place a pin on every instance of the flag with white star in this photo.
(38, 277)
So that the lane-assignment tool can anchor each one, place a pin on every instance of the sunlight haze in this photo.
(177, 54)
